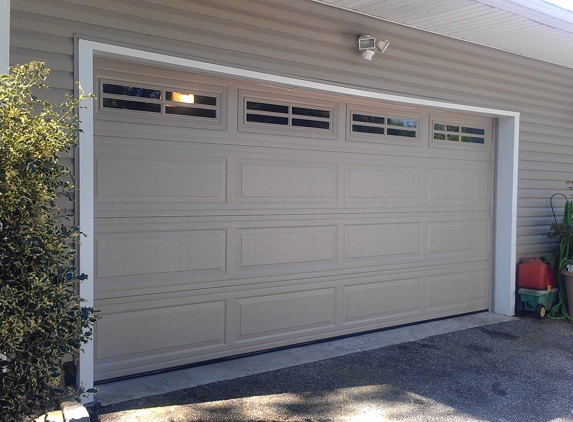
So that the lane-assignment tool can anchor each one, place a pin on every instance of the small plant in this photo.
(562, 231)
(41, 315)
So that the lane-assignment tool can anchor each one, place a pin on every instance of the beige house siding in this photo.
(310, 41)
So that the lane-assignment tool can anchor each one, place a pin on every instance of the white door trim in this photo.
(506, 164)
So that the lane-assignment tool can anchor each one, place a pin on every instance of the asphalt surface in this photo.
(520, 370)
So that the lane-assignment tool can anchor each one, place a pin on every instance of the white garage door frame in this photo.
(506, 166)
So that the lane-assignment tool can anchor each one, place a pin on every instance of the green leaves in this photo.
(41, 316)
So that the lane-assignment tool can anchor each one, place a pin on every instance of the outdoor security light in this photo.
(368, 45)
(368, 54)
(382, 45)
(366, 41)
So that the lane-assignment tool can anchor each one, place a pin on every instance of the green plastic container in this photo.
(538, 301)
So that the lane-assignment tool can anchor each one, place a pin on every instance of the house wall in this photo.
(4, 35)
(311, 41)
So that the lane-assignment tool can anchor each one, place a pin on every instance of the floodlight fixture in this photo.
(369, 45)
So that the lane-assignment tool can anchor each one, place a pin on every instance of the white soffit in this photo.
(531, 28)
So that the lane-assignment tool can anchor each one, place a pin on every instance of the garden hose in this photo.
(559, 311)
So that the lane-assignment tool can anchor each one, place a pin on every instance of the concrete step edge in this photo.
(74, 411)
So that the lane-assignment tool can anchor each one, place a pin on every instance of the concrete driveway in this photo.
(502, 369)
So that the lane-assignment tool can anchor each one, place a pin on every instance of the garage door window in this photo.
(186, 104)
(140, 99)
(260, 112)
(392, 126)
(160, 101)
(287, 114)
(383, 127)
(456, 132)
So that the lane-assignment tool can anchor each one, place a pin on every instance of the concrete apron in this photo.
(72, 411)
(135, 388)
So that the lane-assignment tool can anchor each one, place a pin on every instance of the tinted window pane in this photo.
(131, 105)
(275, 108)
(400, 122)
(203, 99)
(440, 136)
(473, 140)
(367, 119)
(259, 118)
(452, 128)
(312, 112)
(197, 99)
(311, 123)
(368, 129)
(438, 126)
(191, 111)
(131, 91)
(453, 138)
(473, 130)
(400, 132)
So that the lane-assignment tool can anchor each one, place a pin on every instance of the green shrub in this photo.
(41, 315)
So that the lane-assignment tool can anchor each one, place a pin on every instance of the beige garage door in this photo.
(233, 217)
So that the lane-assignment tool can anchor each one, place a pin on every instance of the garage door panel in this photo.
(155, 255)
(282, 180)
(460, 185)
(197, 328)
(141, 332)
(161, 252)
(285, 314)
(460, 237)
(459, 291)
(381, 300)
(197, 179)
(383, 241)
(364, 183)
(270, 316)
(284, 246)
(169, 180)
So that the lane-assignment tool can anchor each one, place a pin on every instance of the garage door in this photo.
(232, 217)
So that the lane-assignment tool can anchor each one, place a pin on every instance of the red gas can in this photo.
(533, 273)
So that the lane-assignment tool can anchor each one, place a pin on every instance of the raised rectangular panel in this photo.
(459, 237)
(460, 185)
(125, 254)
(287, 246)
(371, 300)
(365, 182)
(457, 289)
(198, 178)
(379, 241)
(286, 312)
(164, 328)
(294, 181)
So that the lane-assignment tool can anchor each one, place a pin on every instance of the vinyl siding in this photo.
(316, 42)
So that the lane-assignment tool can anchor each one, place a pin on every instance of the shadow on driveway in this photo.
(514, 371)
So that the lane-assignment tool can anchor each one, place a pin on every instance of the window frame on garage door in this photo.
(505, 194)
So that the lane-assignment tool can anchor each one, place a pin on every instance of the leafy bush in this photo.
(41, 315)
